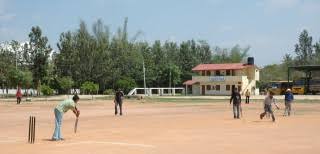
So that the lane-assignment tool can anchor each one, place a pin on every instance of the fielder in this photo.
(288, 99)
(118, 102)
(19, 95)
(268, 106)
(59, 110)
(236, 99)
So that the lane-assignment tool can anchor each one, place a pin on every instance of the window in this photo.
(208, 87)
(203, 73)
(218, 87)
(208, 73)
(228, 72)
(217, 73)
(212, 88)
(228, 87)
(233, 73)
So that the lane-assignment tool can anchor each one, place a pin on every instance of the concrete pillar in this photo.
(186, 91)
(173, 92)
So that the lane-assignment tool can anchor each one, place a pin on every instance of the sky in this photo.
(270, 27)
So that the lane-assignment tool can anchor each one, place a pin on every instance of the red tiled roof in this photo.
(227, 66)
(190, 82)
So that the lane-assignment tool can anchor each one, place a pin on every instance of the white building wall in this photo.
(196, 89)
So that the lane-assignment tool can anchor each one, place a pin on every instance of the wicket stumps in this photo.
(32, 129)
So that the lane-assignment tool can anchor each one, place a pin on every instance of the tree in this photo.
(126, 84)
(317, 53)
(234, 55)
(304, 49)
(36, 54)
(65, 84)
(46, 91)
(89, 88)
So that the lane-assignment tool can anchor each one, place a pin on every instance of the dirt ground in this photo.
(161, 128)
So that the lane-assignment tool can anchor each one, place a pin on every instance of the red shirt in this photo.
(19, 94)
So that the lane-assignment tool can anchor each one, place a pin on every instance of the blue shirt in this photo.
(288, 96)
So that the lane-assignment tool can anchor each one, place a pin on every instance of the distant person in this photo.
(236, 100)
(118, 99)
(268, 106)
(19, 95)
(247, 96)
(59, 110)
(288, 99)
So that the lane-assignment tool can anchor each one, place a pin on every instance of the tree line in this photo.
(98, 61)
(306, 52)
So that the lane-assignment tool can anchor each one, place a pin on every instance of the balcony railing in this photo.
(219, 78)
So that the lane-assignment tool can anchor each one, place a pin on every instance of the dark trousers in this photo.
(18, 100)
(247, 99)
(116, 104)
(267, 109)
(236, 110)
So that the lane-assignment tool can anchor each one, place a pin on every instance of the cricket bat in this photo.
(76, 125)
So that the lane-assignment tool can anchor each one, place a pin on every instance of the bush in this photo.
(126, 84)
(89, 87)
(109, 92)
(46, 90)
(65, 84)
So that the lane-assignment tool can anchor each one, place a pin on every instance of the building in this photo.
(220, 79)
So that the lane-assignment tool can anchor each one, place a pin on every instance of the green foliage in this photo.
(234, 55)
(89, 87)
(109, 92)
(304, 49)
(18, 77)
(126, 84)
(46, 90)
(65, 84)
(36, 54)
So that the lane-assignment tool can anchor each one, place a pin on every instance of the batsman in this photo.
(59, 110)
(268, 106)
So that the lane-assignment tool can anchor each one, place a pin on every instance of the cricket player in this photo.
(118, 101)
(236, 99)
(19, 95)
(268, 106)
(247, 96)
(59, 110)
(288, 98)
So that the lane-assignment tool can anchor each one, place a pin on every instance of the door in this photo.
(203, 90)
(233, 87)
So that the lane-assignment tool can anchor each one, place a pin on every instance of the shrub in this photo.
(109, 92)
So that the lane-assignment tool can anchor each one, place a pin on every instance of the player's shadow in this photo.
(47, 139)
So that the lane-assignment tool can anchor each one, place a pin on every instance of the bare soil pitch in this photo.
(159, 128)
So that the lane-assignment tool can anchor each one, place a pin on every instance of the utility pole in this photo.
(144, 78)
(170, 81)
